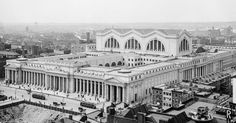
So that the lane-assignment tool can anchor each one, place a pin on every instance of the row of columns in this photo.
(33, 78)
(12, 76)
(100, 89)
(49, 82)
(201, 71)
(197, 72)
(57, 83)
(188, 74)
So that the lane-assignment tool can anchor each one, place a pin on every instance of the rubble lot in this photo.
(24, 113)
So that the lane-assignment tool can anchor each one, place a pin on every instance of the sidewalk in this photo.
(71, 96)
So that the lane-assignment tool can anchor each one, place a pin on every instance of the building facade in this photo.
(167, 96)
(79, 47)
(145, 41)
(124, 67)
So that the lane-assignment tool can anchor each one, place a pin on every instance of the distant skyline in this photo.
(117, 11)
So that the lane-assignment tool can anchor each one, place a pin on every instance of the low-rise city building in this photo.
(170, 96)
(220, 81)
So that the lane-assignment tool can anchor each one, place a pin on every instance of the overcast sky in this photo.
(116, 11)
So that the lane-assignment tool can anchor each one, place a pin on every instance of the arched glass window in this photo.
(184, 45)
(132, 44)
(155, 45)
(112, 43)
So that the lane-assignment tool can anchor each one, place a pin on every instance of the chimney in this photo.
(141, 117)
(70, 117)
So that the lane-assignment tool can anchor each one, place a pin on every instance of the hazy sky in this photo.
(116, 11)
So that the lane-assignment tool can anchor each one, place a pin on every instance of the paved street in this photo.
(71, 104)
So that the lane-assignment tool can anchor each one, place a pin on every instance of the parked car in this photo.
(39, 96)
(88, 105)
(63, 103)
(56, 104)
(3, 97)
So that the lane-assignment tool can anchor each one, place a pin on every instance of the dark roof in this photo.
(180, 118)
(200, 50)
(131, 112)
(144, 31)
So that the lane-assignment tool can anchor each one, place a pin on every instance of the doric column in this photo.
(103, 90)
(111, 93)
(50, 82)
(5, 73)
(92, 91)
(15, 77)
(31, 78)
(83, 85)
(117, 94)
(99, 89)
(67, 84)
(59, 83)
(124, 94)
(40, 80)
(79, 82)
(76, 85)
(106, 91)
(87, 87)
(12, 79)
(54, 83)
(63, 84)
(36, 79)
(91, 87)
(46, 81)
(23, 77)
(26, 77)
(95, 87)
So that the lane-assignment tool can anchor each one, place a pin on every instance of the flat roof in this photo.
(159, 117)
(99, 68)
(8, 53)
(151, 66)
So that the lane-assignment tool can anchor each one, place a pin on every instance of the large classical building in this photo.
(127, 63)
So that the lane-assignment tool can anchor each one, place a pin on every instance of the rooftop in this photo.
(169, 32)
(9, 53)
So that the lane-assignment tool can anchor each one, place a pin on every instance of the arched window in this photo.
(119, 63)
(132, 44)
(155, 45)
(184, 45)
(107, 65)
(112, 43)
(113, 64)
